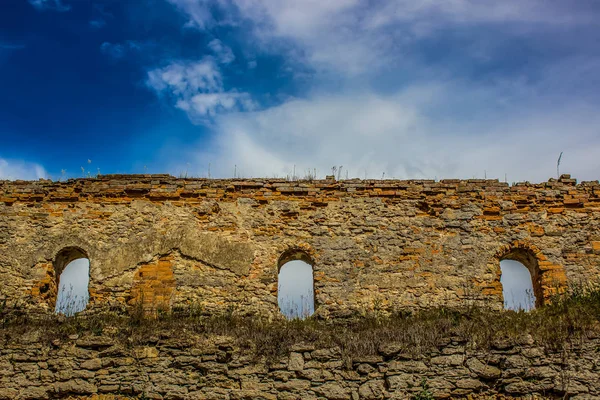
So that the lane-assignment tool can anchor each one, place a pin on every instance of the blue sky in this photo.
(427, 89)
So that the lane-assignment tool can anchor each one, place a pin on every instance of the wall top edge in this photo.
(166, 178)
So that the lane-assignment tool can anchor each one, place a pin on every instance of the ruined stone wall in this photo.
(213, 368)
(216, 243)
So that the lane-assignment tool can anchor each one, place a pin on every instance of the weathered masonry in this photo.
(217, 243)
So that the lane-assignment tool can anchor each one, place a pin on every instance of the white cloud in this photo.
(197, 88)
(18, 169)
(198, 11)
(187, 78)
(427, 12)
(54, 5)
(223, 53)
(415, 133)
(443, 124)
(355, 37)
(208, 104)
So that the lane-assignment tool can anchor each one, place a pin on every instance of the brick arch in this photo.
(300, 252)
(66, 256)
(547, 278)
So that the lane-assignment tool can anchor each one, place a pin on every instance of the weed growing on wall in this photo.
(425, 393)
(69, 303)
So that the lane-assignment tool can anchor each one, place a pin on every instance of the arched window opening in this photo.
(295, 293)
(72, 267)
(517, 286)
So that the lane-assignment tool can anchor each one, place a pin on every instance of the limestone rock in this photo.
(372, 390)
(401, 381)
(483, 370)
(296, 362)
(472, 384)
(92, 365)
(332, 391)
(77, 386)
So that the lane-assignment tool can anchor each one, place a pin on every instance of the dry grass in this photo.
(571, 317)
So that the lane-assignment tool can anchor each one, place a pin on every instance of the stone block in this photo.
(296, 362)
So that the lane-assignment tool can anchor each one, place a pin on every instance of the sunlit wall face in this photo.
(296, 295)
(517, 287)
(73, 293)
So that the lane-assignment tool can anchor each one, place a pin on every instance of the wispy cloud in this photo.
(19, 169)
(196, 87)
(49, 5)
(223, 53)
(185, 79)
(11, 46)
(97, 23)
(120, 50)
(100, 17)
(354, 37)
(199, 11)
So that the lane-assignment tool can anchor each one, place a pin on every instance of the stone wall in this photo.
(213, 368)
(217, 243)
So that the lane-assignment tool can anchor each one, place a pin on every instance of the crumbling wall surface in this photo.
(389, 244)
(213, 368)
